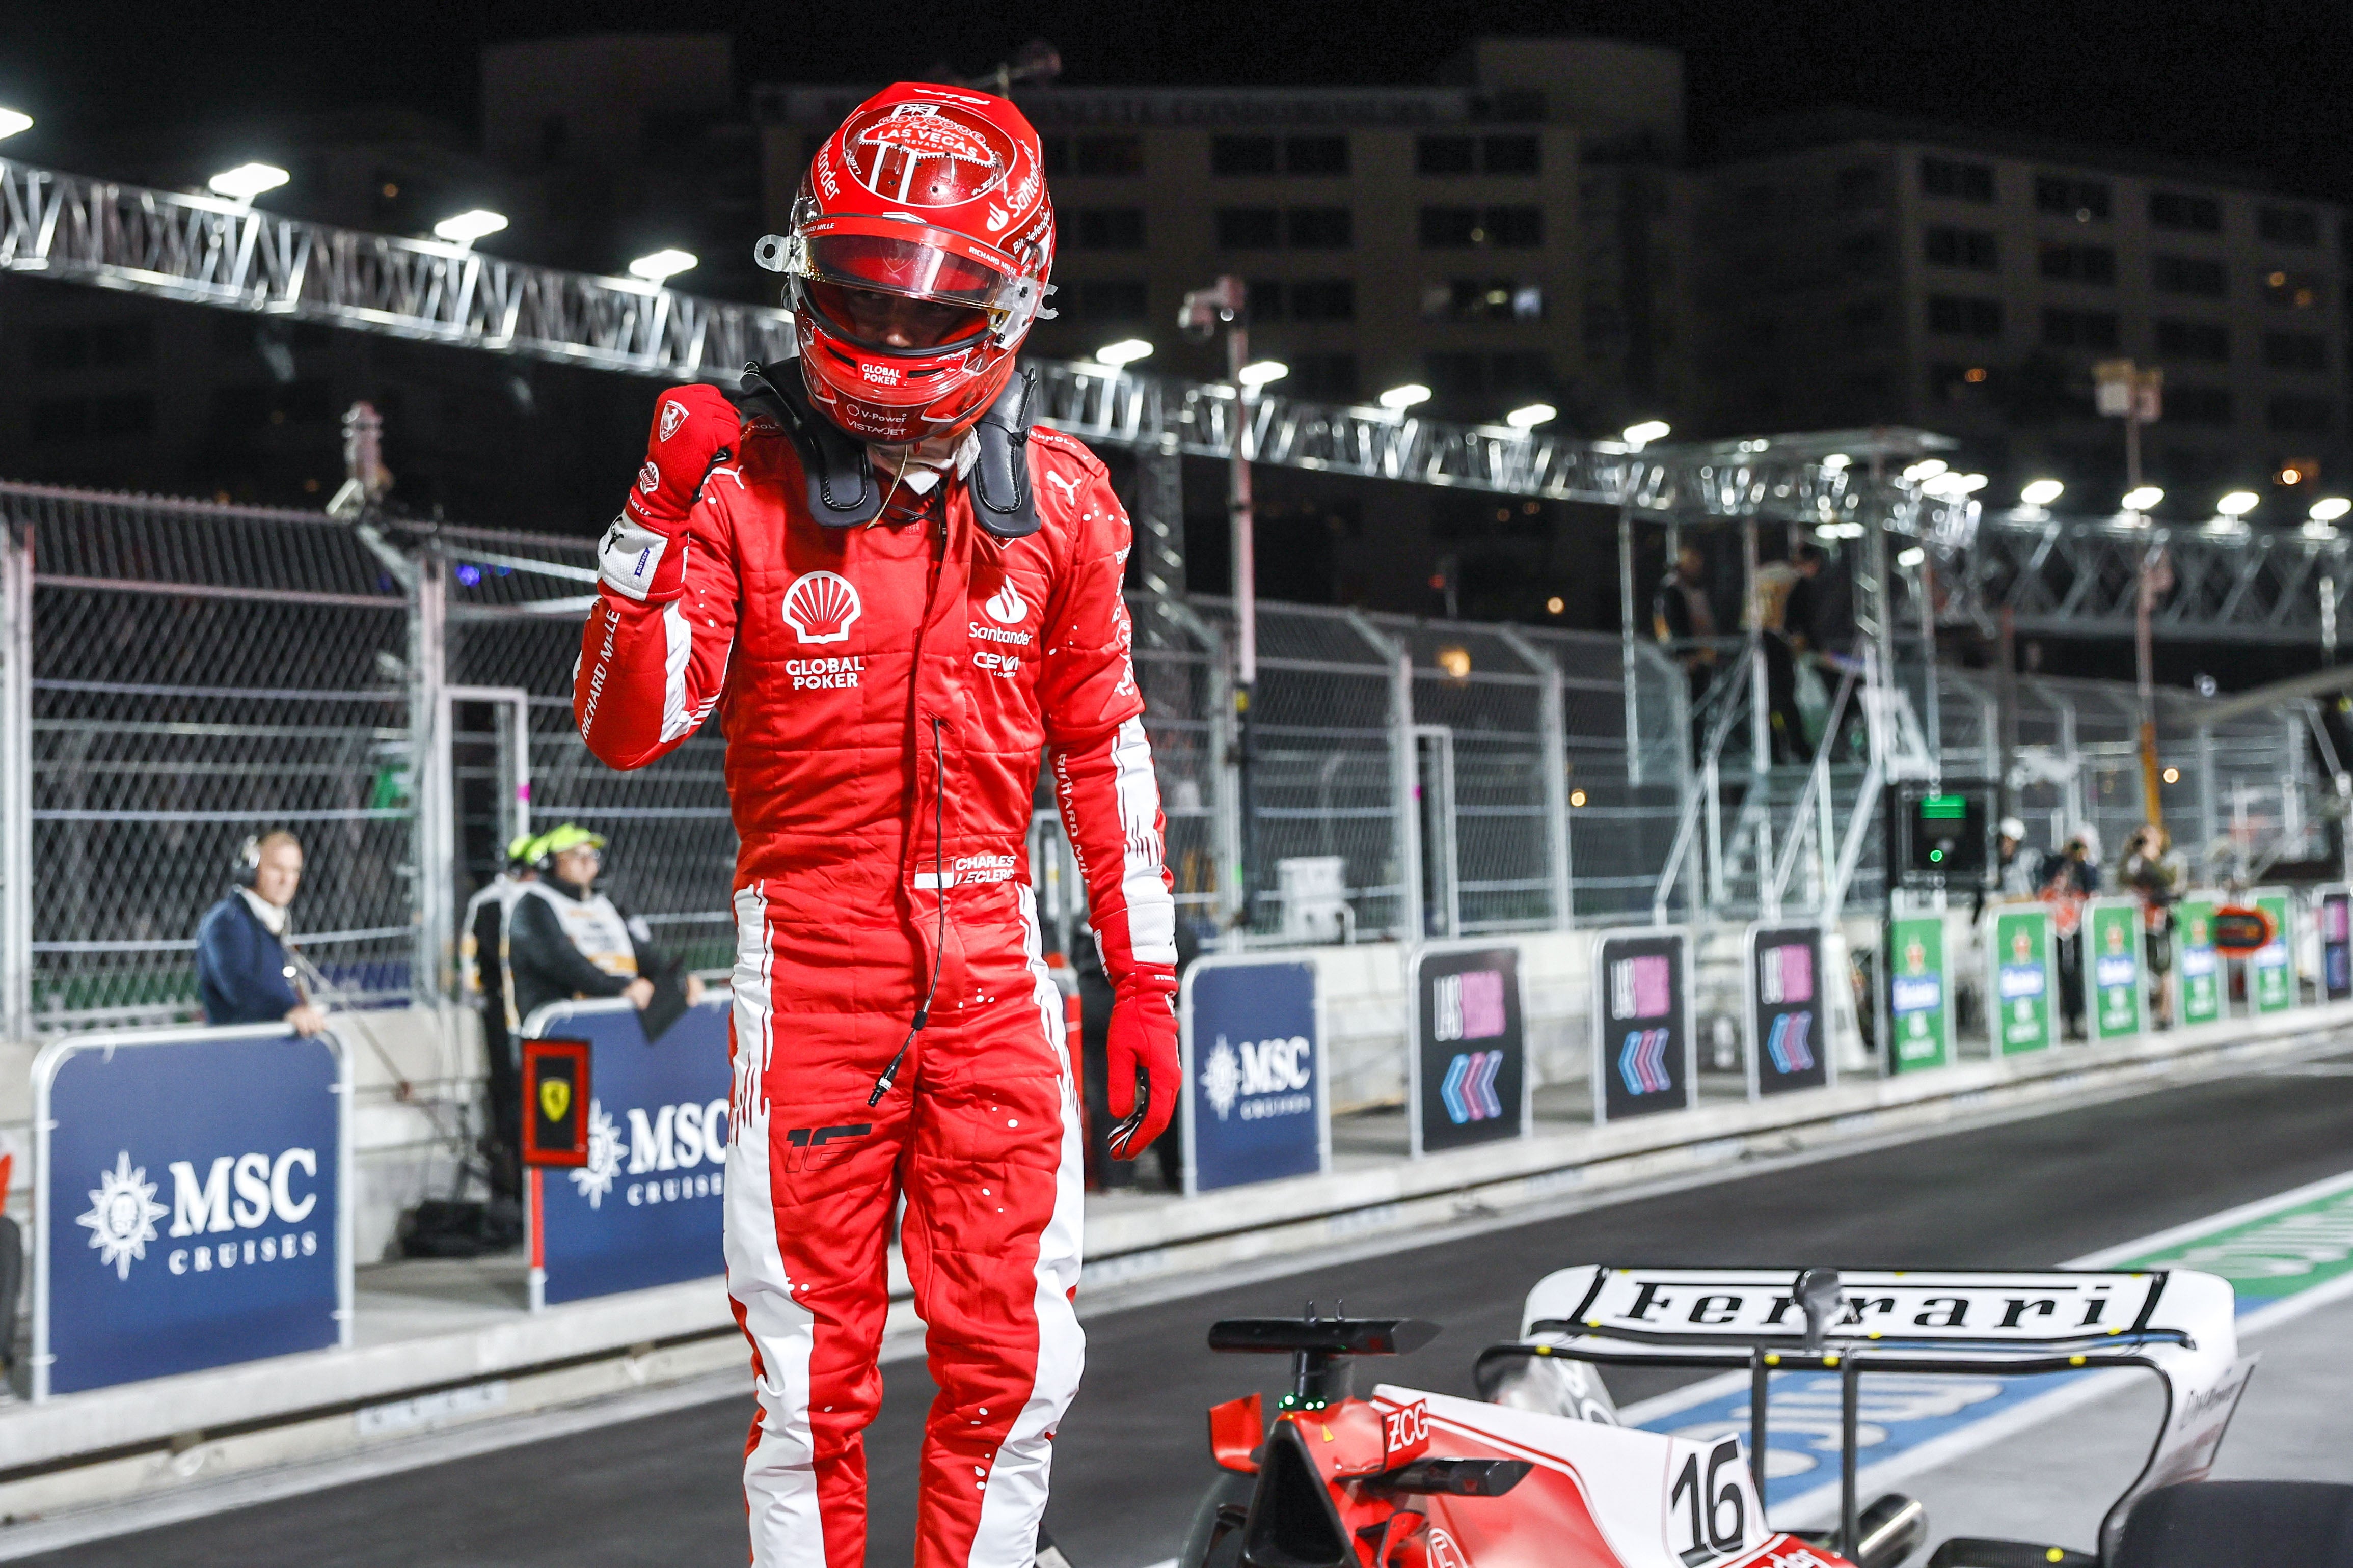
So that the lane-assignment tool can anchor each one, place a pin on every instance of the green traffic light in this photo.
(1935, 856)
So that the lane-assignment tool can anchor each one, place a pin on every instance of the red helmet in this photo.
(920, 245)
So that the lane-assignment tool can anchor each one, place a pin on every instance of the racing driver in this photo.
(896, 593)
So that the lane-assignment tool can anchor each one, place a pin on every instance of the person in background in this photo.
(566, 940)
(1684, 620)
(243, 971)
(484, 983)
(2018, 868)
(1769, 607)
(2153, 871)
(2069, 878)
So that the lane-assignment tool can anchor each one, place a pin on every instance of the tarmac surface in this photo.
(1130, 1457)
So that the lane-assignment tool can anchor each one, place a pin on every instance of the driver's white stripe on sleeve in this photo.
(679, 637)
(1151, 911)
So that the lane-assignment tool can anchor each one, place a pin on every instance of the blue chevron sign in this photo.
(1469, 1088)
(1469, 1054)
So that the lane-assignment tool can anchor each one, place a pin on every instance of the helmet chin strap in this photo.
(842, 490)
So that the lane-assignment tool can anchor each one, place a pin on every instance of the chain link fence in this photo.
(177, 677)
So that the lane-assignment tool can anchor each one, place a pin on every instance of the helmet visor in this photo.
(917, 269)
(873, 319)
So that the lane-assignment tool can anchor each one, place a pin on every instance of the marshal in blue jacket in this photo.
(242, 971)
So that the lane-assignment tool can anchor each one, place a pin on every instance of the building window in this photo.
(2288, 225)
(2197, 404)
(2295, 414)
(2191, 274)
(1109, 156)
(1242, 155)
(1859, 187)
(1106, 228)
(2295, 351)
(1323, 300)
(1319, 228)
(1510, 154)
(1446, 155)
(2291, 290)
(1112, 298)
(1321, 377)
(2082, 200)
(1315, 154)
(1469, 377)
(2079, 329)
(1515, 227)
(1865, 250)
(1248, 228)
(1266, 298)
(2179, 209)
(1964, 316)
(1482, 299)
(1450, 228)
(2206, 341)
(2080, 264)
(1950, 177)
(1967, 247)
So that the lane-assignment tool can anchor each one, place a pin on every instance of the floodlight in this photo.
(246, 181)
(12, 121)
(468, 227)
(2143, 499)
(2042, 492)
(1127, 351)
(1912, 557)
(2238, 504)
(1837, 462)
(1398, 399)
(2329, 509)
(1647, 431)
(1258, 372)
(662, 265)
(1534, 415)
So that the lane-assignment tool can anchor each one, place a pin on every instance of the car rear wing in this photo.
(2176, 1323)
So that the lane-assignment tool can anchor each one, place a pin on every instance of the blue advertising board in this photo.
(645, 1210)
(1253, 1104)
(191, 1191)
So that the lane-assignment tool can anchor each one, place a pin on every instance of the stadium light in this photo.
(468, 227)
(2042, 492)
(1925, 468)
(13, 121)
(1259, 372)
(1127, 351)
(1640, 436)
(1398, 399)
(1912, 557)
(2330, 508)
(1534, 415)
(2143, 499)
(1837, 463)
(246, 181)
(2238, 504)
(662, 265)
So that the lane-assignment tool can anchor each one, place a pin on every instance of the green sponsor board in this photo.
(2284, 1249)
(2025, 971)
(2204, 998)
(2112, 952)
(1918, 1010)
(2271, 973)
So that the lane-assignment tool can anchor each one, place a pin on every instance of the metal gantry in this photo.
(2062, 576)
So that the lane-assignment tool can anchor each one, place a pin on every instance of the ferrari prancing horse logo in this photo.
(554, 1097)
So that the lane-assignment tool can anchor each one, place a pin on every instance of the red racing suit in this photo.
(886, 691)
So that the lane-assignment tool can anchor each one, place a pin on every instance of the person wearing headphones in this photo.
(566, 940)
(243, 971)
(485, 935)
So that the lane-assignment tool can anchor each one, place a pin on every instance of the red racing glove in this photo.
(1140, 1059)
(643, 556)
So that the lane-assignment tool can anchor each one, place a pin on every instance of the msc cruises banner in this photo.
(1254, 1089)
(644, 1210)
(191, 1193)
(1469, 1064)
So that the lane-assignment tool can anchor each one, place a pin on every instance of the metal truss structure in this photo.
(2055, 576)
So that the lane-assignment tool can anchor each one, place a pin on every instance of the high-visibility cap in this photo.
(570, 836)
(519, 848)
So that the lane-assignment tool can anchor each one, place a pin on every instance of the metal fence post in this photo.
(431, 785)
(16, 779)
(1552, 735)
(1404, 781)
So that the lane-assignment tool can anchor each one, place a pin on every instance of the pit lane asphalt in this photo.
(1130, 1460)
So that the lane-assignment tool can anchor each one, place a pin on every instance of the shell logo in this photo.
(1007, 608)
(820, 607)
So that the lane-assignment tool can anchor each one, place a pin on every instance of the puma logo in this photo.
(1069, 487)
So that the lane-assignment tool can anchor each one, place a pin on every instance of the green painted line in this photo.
(2272, 1256)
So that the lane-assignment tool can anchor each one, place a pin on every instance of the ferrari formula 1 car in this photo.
(1537, 1474)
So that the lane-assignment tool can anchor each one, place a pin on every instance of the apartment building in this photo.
(1443, 235)
(1856, 269)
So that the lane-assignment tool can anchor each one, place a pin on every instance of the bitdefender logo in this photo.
(821, 607)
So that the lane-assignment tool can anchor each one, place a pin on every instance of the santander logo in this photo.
(820, 607)
(1007, 608)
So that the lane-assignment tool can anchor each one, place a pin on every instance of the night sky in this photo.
(2264, 86)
